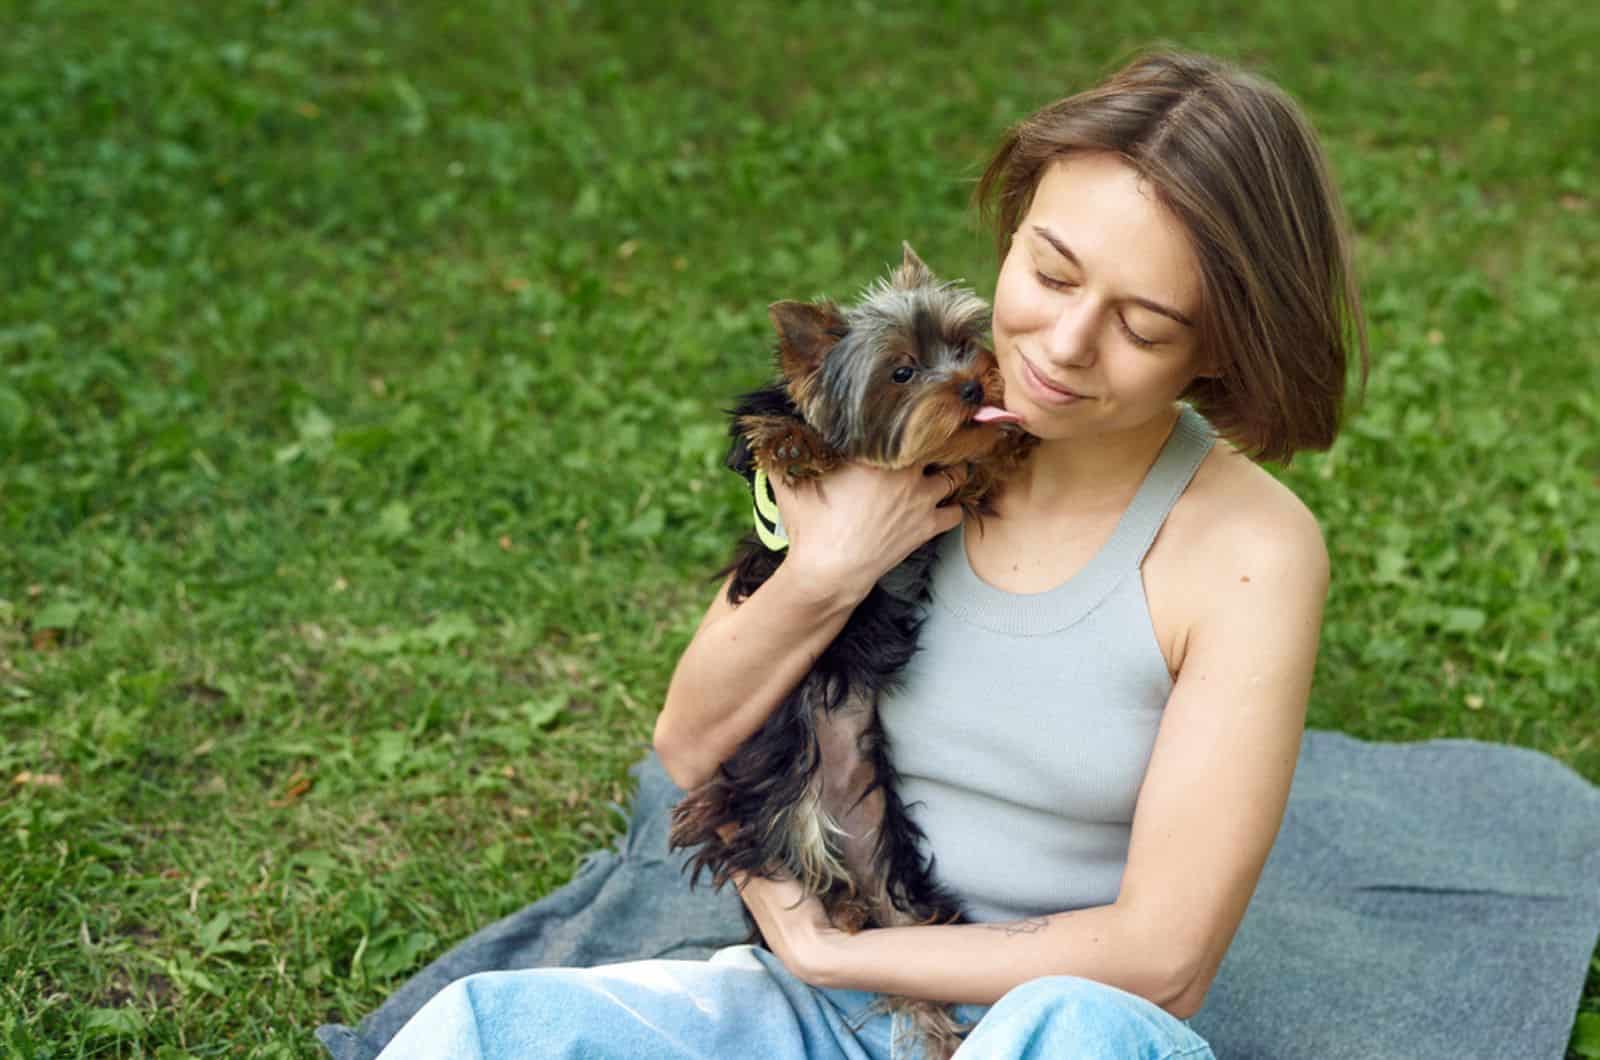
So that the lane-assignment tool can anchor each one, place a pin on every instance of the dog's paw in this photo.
(798, 454)
(851, 915)
(788, 447)
(794, 448)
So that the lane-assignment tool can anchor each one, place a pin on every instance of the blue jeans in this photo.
(744, 1003)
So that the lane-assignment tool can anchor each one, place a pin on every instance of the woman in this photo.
(1100, 731)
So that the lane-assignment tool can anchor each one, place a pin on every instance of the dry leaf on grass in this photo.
(298, 785)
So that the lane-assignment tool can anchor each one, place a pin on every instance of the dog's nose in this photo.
(972, 392)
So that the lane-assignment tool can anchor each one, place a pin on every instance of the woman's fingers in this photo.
(946, 479)
(947, 518)
(870, 496)
(858, 522)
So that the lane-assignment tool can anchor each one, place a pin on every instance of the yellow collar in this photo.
(769, 524)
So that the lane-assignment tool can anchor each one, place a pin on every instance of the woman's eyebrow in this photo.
(1066, 252)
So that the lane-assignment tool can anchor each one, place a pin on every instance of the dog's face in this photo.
(902, 377)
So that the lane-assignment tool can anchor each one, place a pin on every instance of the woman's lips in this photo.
(1046, 391)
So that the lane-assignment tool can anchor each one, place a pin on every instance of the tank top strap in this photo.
(958, 589)
(1186, 447)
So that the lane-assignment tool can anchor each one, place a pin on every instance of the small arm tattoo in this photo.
(1031, 926)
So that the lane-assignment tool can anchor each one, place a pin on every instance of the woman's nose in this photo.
(1072, 335)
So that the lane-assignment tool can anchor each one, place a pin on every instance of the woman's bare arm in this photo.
(741, 663)
(845, 533)
(1207, 814)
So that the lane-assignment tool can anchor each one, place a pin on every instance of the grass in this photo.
(360, 369)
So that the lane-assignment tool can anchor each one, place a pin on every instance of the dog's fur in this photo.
(811, 795)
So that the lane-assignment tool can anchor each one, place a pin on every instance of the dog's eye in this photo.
(903, 374)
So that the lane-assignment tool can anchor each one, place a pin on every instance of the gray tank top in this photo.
(1023, 725)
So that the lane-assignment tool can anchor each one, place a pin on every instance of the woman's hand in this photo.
(855, 524)
(794, 926)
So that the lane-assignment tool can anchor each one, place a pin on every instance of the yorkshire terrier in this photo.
(903, 378)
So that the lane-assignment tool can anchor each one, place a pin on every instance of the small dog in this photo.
(899, 379)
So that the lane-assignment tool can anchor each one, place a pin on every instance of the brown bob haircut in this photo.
(1236, 162)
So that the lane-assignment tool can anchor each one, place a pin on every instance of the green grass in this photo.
(360, 369)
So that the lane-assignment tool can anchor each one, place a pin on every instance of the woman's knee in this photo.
(1071, 993)
(1067, 1016)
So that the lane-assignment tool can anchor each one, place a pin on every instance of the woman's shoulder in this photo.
(1236, 526)
(1234, 505)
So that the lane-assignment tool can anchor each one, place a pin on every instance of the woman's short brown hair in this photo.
(1237, 163)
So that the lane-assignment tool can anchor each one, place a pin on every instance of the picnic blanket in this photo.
(1426, 900)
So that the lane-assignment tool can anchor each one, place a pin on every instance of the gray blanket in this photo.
(1431, 900)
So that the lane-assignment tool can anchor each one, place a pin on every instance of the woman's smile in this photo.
(1043, 390)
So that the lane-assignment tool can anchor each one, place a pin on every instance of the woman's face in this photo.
(1095, 307)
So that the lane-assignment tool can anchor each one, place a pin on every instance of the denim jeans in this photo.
(744, 1003)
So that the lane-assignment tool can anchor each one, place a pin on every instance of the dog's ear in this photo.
(912, 272)
(806, 332)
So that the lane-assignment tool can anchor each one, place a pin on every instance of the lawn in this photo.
(360, 377)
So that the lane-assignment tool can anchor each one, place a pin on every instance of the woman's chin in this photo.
(1047, 424)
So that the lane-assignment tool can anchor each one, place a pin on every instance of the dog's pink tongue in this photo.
(995, 414)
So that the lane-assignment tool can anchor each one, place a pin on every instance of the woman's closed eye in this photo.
(1134, 337)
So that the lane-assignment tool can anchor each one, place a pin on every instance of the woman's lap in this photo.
(740, 1003)
(743, 1002)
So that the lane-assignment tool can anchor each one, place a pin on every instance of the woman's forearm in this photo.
(845, 531)
(978, 963)
(740, 666)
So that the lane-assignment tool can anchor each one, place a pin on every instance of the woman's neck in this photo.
(1087, 475)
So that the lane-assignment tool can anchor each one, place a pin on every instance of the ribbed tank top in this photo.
(1023, 725)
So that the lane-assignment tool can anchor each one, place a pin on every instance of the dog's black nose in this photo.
(972, 392)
